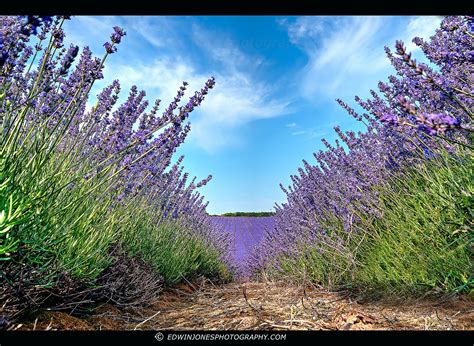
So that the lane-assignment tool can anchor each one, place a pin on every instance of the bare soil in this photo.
(266, 306)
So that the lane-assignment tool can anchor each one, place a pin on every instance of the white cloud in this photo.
(309, 133)
(235, 100)
(346, 55)
(338, 49)
(298, 133)
(159, 31)
(238, 98)
(161, 78)
(317, 134)
(424, 27)
(90, 31)
(305, 27)
(224, 50)
(230, 105)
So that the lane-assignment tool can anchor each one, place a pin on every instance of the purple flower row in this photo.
(128, 141)
(426, 109)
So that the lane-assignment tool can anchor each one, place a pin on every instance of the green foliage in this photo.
(169, 247)
(174, 252)
(424, 240)
(58, 218)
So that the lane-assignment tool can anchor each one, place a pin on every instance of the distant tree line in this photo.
(242, 213)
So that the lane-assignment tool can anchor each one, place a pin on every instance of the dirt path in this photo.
(267, 306)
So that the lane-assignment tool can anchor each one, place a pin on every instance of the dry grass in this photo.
(269, 306)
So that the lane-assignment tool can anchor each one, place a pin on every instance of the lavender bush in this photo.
(75, 182)
(390, 206)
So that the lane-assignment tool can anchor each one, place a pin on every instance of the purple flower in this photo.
(46, 19)
(68, 59)
(117, 35)
(427, 129)
(58, 35)
(389, 118)
(109, 48)
(436, 123)
(343, 184)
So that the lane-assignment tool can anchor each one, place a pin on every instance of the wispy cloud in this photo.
(298, 133)
(290, 125)
(90, 31)
(345, 54)
(317, 134)
(157, 31)
(237, 98)
(165, 35)
(424, 27)
(160, 67)
(161, 78)
(161, 32)
(224, 50)
(312, 132)
(233, 103)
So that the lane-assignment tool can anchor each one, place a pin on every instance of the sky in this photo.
(277, 79)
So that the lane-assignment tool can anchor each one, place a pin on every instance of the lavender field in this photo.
(102, 225)
(246, 233)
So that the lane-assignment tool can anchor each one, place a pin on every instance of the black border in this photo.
(458, 338)
(238, 7)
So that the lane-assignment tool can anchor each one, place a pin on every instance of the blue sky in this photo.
(277, 79)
